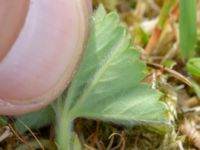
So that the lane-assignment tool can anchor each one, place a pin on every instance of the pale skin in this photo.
(41, 45)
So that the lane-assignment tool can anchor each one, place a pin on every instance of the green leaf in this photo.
(137, 105)
(3, 120)
(196, 88)
(193, 66)
(35, 120)
(108, 84)
(188, 27)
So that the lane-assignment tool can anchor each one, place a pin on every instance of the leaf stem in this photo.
(65, 131)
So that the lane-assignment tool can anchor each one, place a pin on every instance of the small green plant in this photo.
(108, 84)
(109, 89)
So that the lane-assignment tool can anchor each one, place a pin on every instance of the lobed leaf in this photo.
(108, 83)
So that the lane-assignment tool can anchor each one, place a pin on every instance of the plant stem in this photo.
(164, 14)
(65, 131)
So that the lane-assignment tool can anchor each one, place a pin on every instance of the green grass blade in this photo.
(188, 28)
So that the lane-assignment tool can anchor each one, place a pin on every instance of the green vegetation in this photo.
(137, 87)
(188, 27)
(108, 84)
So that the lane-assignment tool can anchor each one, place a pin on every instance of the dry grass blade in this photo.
(174, 73)
(6, 133)
(32, 133)
(191, 133)
(20, 138)
(121, 144)
(89, 147)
